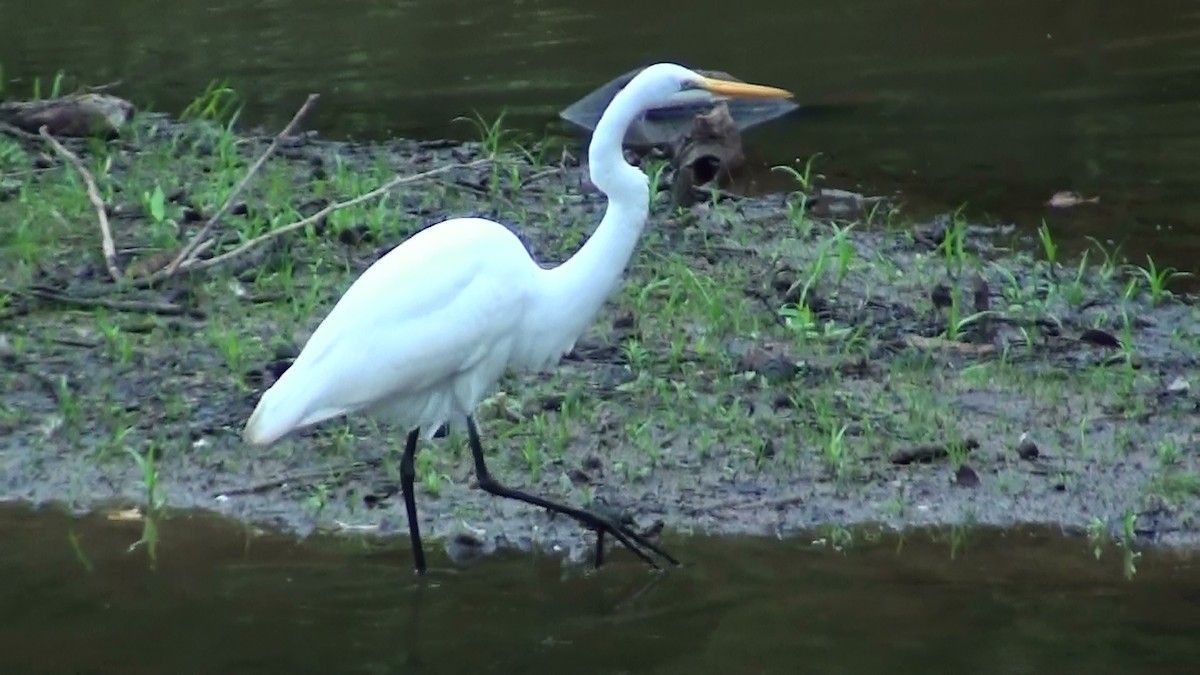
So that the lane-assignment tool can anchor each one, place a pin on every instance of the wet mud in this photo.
(771, 364)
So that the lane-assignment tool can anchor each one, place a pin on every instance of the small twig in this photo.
(352, 527)
(106, 241)
(18, 132)
(757, 504)
(189, 250)
(197, 265)
(540, 175)
(27, 172)
(99, 88)
(49, 384)
(71, 341)
(484, 192)
(301, 478)
(163, 308)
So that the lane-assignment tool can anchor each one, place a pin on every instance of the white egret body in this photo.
(423, 334)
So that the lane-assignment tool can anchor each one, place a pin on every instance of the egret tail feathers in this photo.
(268, 423)
(279, 412)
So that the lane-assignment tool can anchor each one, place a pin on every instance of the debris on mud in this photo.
(769, 364)
(77, 115)
(1066, 199)
(928, 453)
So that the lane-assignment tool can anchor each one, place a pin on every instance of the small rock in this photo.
(353, 235)
(833, 202)
(381, 494)
(931, 235)
(965, 476)
(1101, 338)
(553, 403)
(1178, 386)
(466, 547)
(941, 296)
(783, 279)
(774, 367)
(1065, 199)
(982, 294)
(1027, 449)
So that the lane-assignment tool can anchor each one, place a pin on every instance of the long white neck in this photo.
(576, 289)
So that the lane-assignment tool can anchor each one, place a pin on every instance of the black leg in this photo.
(596, 522)
(599, 548)
(407, 474)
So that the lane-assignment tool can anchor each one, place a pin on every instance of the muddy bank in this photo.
(792, 362)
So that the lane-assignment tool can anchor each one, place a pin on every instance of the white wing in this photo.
(420, 334)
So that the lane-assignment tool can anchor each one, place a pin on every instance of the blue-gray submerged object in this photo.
(664, 124)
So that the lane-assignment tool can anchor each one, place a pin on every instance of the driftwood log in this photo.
(89, 114)
(710, 151)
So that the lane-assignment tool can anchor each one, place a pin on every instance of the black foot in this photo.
(625, 523)
(620, 530)
(601, 524)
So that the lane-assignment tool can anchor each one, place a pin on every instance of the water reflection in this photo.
(226, 599)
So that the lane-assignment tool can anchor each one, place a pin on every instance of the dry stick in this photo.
(189, 250)
(398, 180)
(18, 132)
(740, 503)
(163, 308)
(302, 477)
(106, 240)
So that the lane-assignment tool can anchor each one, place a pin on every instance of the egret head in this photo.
(657, 86)
(665, 84)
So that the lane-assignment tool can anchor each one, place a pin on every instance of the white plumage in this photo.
(417, 339)
(423, 334)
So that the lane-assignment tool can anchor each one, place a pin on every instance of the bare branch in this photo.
(189, 251)
(148, 307)
(106, 240)
(18, 132)
(195, 265)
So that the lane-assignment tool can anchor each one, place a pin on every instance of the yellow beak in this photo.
(742, 89)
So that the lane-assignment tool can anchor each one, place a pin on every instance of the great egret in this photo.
(422, 335)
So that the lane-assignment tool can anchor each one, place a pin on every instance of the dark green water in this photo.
(995, 103)
(222, 600)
